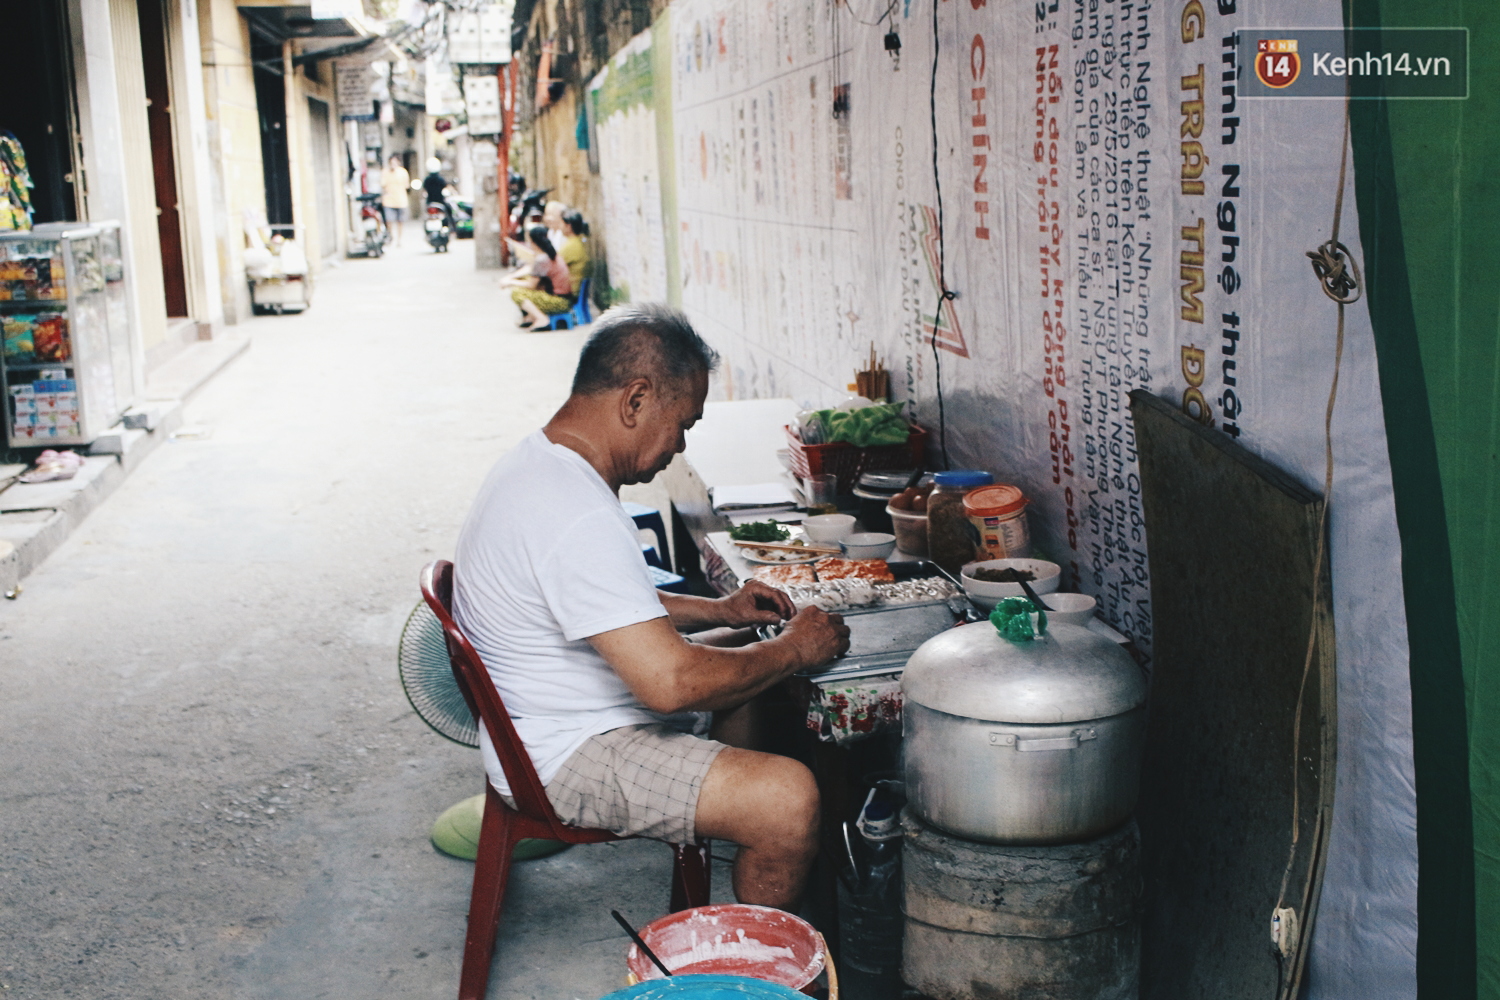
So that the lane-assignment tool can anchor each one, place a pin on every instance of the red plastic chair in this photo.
(504, 827)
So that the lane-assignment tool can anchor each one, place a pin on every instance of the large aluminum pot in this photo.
(1023, 743)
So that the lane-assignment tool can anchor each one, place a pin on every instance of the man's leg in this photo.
(769, 806)
(739, 726)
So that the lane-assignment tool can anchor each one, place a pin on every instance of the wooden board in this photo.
(1232, 542)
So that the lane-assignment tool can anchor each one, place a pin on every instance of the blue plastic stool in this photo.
(651, 519)
(665, 579)
(578, 314)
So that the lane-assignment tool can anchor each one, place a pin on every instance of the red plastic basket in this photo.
(848, 462)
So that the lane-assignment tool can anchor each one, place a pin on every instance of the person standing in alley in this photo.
(395, 194)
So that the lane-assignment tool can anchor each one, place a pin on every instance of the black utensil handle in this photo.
(645, 948)
(1031, 593)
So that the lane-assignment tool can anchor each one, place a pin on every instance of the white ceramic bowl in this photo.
(828, 527)
(1069, 609)
(868, 545)
(1046, 576)
(985, 604)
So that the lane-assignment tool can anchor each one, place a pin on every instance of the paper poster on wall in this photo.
(766, 206)
(623, 104)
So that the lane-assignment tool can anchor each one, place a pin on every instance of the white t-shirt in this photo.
(547, 558)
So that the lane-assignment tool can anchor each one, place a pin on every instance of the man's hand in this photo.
(670, 675)
(817, 636)
(756, 603)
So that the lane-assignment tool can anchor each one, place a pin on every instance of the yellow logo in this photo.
(1277, 63)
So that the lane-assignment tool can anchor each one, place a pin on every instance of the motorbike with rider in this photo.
(439, 224)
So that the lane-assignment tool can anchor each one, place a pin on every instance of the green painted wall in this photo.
(1428, 176)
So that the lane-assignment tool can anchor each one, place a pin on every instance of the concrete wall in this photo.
(545, 147)
(559, 163)
(116, 171)
(160, 339)
(101, 172)
(195, 183)
(232, 139)
(232, 136)
(300, 140)
(139, 187)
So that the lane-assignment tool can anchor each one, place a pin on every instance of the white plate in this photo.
(793, 559)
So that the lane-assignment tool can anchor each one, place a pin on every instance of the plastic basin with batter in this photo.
(732, 939)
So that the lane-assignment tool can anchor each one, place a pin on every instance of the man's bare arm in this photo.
(669, 674)
(754, 603)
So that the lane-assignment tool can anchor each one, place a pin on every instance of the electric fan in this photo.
(428, 678)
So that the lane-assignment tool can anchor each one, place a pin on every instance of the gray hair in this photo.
(650, 340)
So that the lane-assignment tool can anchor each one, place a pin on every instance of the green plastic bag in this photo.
(867, 427)
(1019, 620)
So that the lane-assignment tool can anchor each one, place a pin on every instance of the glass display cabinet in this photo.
(68, 364)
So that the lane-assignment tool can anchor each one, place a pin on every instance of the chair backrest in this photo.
(582, 305)
(484, 701)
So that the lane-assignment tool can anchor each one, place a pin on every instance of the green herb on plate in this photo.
(759, 531)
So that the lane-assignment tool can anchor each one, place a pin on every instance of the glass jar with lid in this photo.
(951, 538)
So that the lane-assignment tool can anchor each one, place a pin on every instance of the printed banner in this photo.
(1108, 213)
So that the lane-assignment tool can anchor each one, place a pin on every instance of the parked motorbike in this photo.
(463, 218)
(372, 225)
(530, 203)
(437, 228)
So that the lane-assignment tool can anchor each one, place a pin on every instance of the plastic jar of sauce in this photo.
(998, 513)
(951, 538)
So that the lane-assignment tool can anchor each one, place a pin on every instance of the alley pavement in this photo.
(212, 784)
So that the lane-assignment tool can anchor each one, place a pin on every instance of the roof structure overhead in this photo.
(278, 23)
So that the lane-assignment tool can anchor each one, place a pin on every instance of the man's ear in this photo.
(633, 401)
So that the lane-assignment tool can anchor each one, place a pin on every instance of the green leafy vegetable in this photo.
(759, 531)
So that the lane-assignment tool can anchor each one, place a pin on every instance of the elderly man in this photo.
(605, 691)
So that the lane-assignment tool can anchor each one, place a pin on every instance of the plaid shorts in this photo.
(637, 781)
